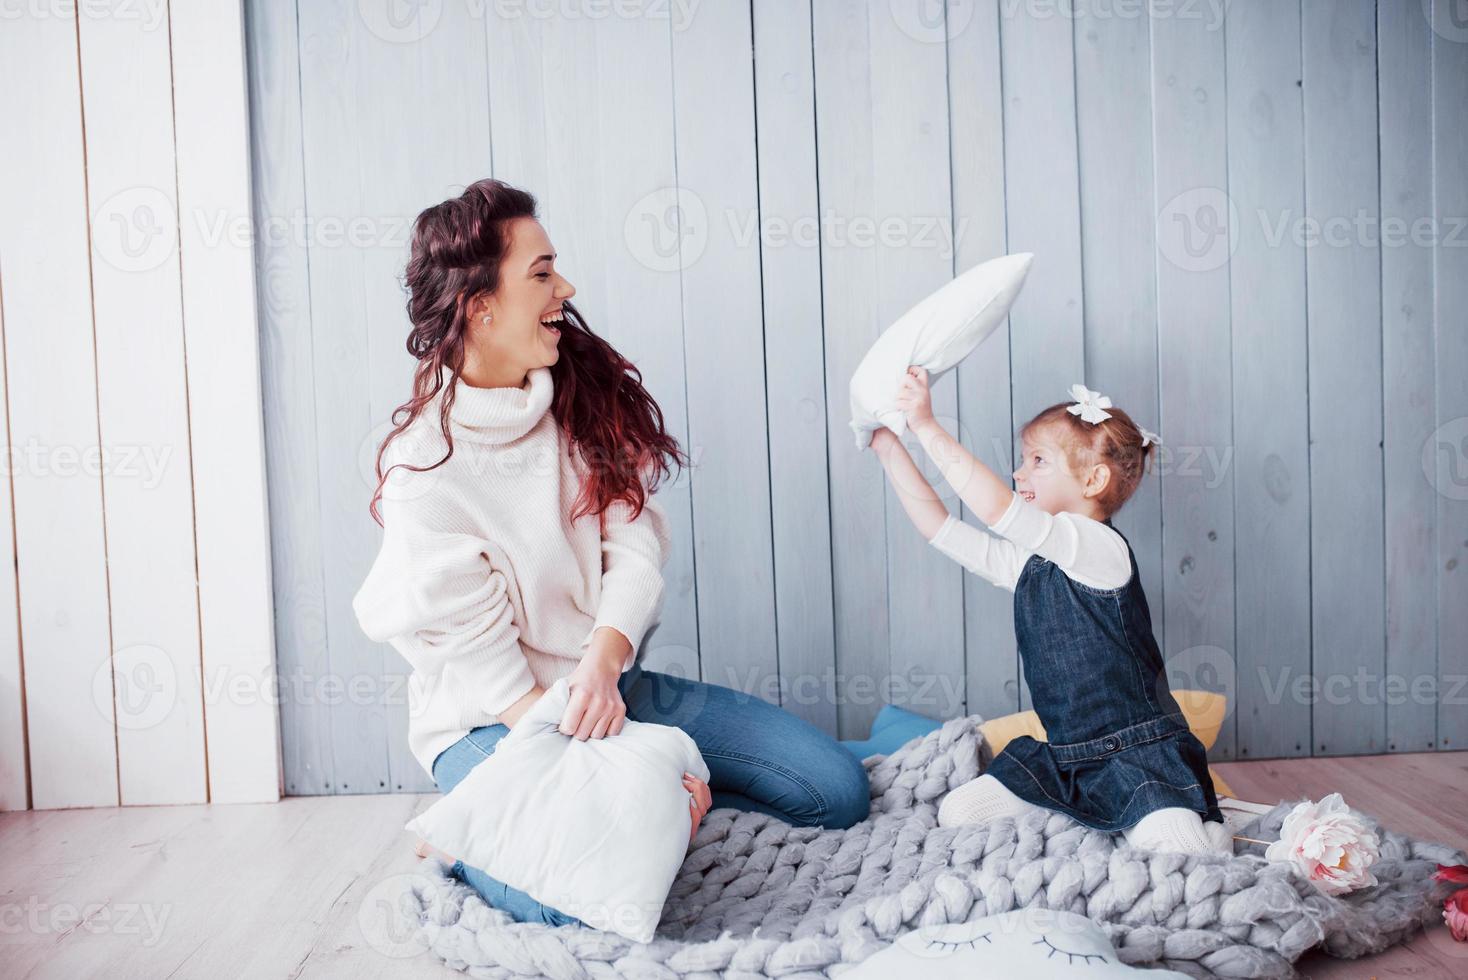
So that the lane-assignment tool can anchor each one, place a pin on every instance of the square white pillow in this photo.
(935, 335)
(595, 828)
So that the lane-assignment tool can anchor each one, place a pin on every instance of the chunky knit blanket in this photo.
(757, 897)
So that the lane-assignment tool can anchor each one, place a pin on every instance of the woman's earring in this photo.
(487, 318)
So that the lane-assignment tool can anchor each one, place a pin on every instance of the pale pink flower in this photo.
(1329, 845)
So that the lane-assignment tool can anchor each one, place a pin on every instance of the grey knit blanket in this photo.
(757, 897)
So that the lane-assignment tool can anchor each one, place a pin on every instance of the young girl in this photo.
(1120, 756)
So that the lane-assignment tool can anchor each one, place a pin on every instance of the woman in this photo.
(521, 543)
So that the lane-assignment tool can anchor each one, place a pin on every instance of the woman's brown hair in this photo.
(599, 400)
(1116, 442)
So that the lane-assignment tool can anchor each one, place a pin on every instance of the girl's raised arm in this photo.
(995, 559)
(977, 486)
(923, 505)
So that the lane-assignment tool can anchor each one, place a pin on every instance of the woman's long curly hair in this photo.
(599, 401)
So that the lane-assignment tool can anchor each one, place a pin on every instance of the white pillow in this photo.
(935, 335)
(1035, 943)
(595, 828)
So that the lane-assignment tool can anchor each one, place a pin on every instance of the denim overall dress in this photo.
(1119, 746)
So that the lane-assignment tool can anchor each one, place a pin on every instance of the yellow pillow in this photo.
(1204, 711)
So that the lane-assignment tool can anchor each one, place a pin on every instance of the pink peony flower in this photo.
(1329, 845)
(1455, 906)
(1455, 914)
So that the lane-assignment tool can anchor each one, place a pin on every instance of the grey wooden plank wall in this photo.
(1249, 222)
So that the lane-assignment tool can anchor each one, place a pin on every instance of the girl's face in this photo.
(1045, 478)
(522, 332)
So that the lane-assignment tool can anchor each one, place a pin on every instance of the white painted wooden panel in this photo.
(228, 447)
(50, 362)
(143, 404)
(14, 779)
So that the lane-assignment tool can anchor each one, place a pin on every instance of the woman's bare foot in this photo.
(424, 849)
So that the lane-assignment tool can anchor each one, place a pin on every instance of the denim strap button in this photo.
(1112, 743)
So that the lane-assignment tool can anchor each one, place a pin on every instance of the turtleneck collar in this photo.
(499, 415)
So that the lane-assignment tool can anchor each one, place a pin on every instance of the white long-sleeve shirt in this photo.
(1085, 549)
(482, 582)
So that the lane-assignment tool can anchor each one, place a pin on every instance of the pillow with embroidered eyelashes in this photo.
(1034, 943)
(935, 335)
(596, 829)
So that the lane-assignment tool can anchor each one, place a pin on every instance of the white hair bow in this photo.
(1089, 404)
(1151, 438)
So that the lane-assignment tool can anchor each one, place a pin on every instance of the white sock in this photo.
(1172, 829)
(978, 801)
(1221, 836)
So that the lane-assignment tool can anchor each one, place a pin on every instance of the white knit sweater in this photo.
(482, 582)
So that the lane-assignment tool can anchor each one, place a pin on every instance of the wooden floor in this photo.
(302, 888)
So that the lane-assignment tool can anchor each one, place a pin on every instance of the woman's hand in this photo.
(510, 717)
(700, 802)
(596, 708)
(914, 398)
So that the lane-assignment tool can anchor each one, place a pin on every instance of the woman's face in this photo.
(523, 332)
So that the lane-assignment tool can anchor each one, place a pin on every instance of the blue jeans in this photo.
(760, 758)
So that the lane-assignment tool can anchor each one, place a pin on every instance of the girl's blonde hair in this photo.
(1115, 442)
